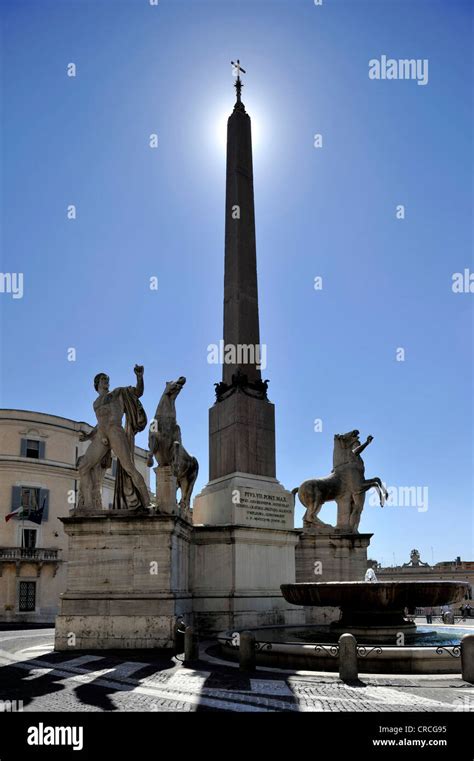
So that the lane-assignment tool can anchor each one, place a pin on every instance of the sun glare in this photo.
(220, 129)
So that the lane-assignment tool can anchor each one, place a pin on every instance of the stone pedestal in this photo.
(245, 500)
(326, 554)
(331, 555)
(166, 486)
(243, 549)
(236, 577)
(241, 437)
(127, 582)
(166, 490)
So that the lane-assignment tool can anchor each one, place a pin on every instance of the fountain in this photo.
(373, 611)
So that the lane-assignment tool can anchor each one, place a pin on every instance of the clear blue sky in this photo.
(327, 212)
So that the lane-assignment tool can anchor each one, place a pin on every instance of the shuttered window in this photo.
(30, 498)
(33, 449)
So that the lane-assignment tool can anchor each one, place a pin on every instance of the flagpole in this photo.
(22, 525)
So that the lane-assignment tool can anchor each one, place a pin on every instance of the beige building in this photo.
(416, 570)
(38, 455)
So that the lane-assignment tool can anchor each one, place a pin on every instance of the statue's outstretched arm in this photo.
(140, 387)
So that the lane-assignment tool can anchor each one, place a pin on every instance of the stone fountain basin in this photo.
(375, 595)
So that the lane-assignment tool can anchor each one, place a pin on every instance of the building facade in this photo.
(417, 570)
(39, 483)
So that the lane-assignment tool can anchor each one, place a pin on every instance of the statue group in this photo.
(110, 436)
(346, 484)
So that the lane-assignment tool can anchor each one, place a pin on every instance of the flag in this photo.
(36, 516)
(15, 512)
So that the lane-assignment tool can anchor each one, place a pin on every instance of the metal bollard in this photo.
(467, 658)
(179, 629)
(191, 645)
(348, 670)
(247, 652)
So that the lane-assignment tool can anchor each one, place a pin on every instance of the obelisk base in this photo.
(245, 499)
(127, 582)
(243, 549)
(237, 572)
(242, 437)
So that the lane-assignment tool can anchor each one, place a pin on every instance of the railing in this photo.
(27, 553)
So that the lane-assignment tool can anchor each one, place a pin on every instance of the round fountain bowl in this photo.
(375, 609)
(376, 595)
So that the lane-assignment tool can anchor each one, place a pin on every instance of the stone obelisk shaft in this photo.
(241, 425)
(241, 324)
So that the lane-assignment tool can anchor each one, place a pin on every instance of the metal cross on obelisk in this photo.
(238, 83)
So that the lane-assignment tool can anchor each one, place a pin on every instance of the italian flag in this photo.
(15, 512)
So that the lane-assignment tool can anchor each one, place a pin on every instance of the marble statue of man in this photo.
(131, 492)
(370, 575)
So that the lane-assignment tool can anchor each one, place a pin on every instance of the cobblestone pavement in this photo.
(32, 672)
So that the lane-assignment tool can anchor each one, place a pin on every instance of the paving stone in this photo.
(91, 682)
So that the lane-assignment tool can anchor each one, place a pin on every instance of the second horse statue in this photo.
(164, 443)
(346, 485)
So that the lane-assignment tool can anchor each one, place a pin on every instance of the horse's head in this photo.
(344, 443)
(173, 388)
(347, 440)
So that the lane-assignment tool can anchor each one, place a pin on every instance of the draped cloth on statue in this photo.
(126, 496)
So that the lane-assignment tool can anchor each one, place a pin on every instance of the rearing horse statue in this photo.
(164, 443)
(346, 485)
(164, 430)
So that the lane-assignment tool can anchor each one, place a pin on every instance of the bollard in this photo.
(191, 646)
(348, 657)
(247, 652)
(467, 658)
(179, 629)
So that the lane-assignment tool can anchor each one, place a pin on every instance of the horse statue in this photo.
(165, 445)
(346, 484)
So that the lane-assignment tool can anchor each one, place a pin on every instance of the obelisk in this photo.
(243, 521)
(241, 324)
(242, 419)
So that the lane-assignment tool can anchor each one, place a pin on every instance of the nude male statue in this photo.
(110, 407)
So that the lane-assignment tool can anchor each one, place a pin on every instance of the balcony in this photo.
(37, 555)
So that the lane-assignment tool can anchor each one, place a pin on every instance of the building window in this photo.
(30, 503)
(27, 596)
(33, 449)
(28, 538)
(29, 498)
